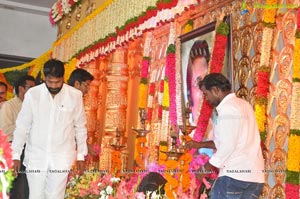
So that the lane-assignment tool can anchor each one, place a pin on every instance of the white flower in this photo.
(103, 197)
(154, 195)
(99, 184)
(115, 180)
(109, 190)
(102, 193)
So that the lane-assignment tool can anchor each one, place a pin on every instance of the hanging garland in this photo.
(138, 20)
(171, 77)
(216, 64)
(60, 9)
(292, 180)
(161, 95)
(262, 100)
(151, 95)
(264, 69)
(143, 87)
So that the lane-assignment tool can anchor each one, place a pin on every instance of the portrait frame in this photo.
(200, 42)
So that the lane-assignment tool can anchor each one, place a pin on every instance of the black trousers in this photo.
(20, 189)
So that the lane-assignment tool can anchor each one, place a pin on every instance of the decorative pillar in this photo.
(104, 161)
(115, 104)
(91, 107)
(135, 56)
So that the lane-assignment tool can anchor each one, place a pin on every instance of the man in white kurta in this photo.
(52, 123)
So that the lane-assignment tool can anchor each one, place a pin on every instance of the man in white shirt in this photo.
(52, 123)
(81, 80)
(238, 153)
(8, 115)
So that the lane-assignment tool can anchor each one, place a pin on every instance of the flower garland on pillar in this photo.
(292, 186)
(217, 60)
(143, 87)
(264, 69)
(171, 75)
(160, 96)
(150, 97)
(165, 109)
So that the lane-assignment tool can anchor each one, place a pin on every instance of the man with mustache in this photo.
(52, 123)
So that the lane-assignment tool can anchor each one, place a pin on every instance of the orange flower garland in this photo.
(162, 157)
(185, 178)
(264, 70)
(170, 175)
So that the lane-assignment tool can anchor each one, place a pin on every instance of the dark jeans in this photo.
(20, 188)
(226, 187)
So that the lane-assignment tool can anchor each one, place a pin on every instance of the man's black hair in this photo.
(215, 80)
(80, 75)
(54, 68)
(22, 82)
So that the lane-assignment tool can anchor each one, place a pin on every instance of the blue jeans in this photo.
(226, 187)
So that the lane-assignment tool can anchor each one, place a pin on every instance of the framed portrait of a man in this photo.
(196, 50)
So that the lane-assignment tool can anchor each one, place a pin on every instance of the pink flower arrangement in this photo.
(6, 164)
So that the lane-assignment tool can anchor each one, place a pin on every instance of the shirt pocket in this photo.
(65, 115)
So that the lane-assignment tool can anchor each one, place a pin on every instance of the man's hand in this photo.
(205, 170)
(193, 144)
(91, 150)
(16, 167)
(80, 166)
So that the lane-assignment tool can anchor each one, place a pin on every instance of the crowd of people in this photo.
(46, 125)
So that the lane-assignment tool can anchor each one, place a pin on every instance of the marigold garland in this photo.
(188, 26)
(293, 160)
(166, 97)
(171, 175)
(162, 157)
(260, 115)
(185, 176)
(143, 87)
(296, 61)
(270, 13)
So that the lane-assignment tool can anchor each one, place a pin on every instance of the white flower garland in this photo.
(295, 113)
